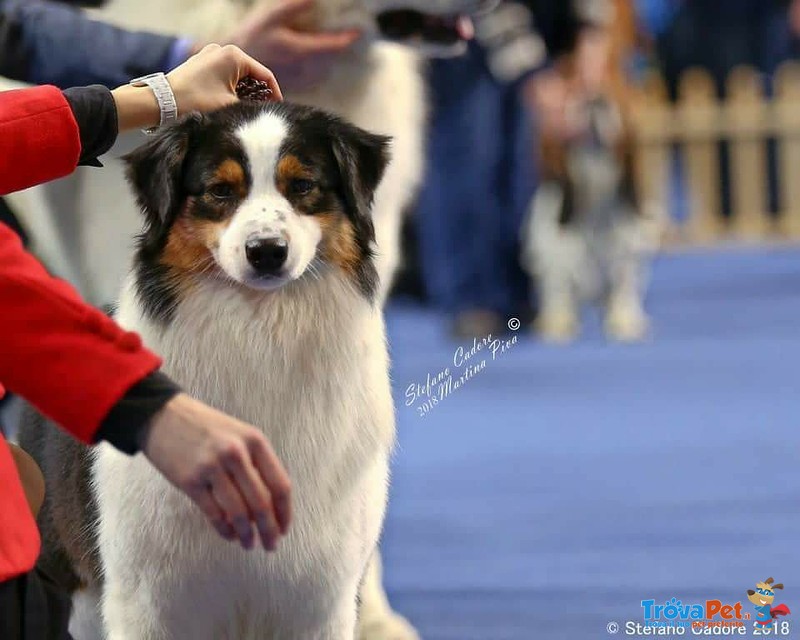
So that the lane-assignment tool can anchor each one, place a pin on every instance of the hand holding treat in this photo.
(207, 81)
(253, 90)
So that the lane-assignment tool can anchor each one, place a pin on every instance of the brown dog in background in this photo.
(589, 235)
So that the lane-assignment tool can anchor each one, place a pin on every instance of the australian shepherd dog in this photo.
(590, 234)
(255, 279)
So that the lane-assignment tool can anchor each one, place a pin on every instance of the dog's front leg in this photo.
(625, 318)
(376, 620)
(129, 616)
(558, 316)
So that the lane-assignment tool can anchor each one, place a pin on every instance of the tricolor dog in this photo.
(378, 86)
(255, 279)
(590, 236)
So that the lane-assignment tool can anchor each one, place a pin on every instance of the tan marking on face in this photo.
(189, 248)
(232, 173)
(290, 168)
(339, 244)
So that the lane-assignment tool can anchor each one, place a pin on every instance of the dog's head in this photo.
(260, 195)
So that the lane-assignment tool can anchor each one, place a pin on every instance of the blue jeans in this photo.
(479, 184)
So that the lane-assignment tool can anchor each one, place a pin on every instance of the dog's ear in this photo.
(778, 586)
(155, 171)
(362, 158)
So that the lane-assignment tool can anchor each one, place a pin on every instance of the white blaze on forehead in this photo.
(262, 139)
(265, 212)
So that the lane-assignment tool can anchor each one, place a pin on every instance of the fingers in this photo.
(287, 10)
(203, 498)
(323, 42)
(247, 66)
(236, 512)
(258, 499)
(277, 480)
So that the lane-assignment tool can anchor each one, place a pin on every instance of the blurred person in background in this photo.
(481, 174)
(717, 37)
(720, 36)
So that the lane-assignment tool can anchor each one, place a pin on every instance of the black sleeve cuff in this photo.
(126, 420)
(96, 114)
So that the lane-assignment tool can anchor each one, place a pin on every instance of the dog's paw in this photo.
(626, 324)
(559, 326)
(389, 627)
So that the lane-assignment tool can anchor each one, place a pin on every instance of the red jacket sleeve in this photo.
(39, 138)
(65, 357)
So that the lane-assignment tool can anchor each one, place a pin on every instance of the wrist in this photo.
(137, 108)
(176, 409)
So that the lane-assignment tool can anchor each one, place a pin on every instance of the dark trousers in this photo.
(32, 607)
(479, 183)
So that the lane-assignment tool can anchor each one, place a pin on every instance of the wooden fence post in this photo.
(786, 118)
(697, 127)
(652, 123)
(746, 120)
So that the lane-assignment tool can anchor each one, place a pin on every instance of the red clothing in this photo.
(65, 357)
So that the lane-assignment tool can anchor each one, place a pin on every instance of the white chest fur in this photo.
(309, 366)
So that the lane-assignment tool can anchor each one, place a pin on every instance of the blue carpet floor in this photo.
(560, 486)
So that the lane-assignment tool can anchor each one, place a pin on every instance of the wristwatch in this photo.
(166, 99)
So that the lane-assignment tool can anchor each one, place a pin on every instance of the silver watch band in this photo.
(163, 91)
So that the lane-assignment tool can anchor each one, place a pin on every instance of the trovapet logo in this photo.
(712, 617)
(674, 613)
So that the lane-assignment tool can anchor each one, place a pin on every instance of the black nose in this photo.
(267, 255)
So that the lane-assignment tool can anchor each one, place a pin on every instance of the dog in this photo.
(379, 86)
(255, 278)
(589, 235)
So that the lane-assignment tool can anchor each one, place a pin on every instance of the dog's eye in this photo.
(222, 191)
(301, 186)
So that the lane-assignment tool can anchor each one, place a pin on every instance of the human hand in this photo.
(300, 58)
(227, 467)
(205, 82)
(547, 96)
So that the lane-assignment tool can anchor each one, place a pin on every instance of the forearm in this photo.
(514, 46)
(39, 138)
(522, 36)
(126, 423)
(63, 356)
(47, 43)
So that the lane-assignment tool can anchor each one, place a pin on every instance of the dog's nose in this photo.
(267, 255)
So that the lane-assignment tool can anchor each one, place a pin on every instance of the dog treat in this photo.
(254, 90)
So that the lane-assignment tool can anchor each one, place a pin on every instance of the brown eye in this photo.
(301, 186)
(222, 191)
